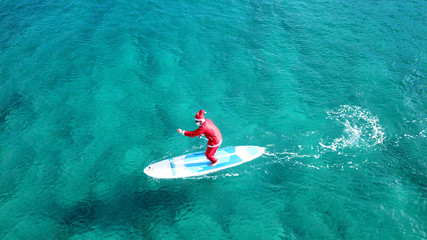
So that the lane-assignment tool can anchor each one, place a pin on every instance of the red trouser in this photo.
(210, 154)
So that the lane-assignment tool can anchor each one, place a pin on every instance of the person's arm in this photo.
(194, 133)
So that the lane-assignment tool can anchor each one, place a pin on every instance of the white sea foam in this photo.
(361, 129)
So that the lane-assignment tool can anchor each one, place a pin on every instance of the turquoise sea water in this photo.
(93, 91)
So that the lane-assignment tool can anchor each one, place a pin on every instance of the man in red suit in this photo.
(211, 132)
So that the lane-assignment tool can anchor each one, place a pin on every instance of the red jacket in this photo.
(210, 131)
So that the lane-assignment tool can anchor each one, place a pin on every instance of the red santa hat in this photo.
(200, 116)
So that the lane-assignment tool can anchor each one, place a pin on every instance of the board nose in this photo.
(148, 170)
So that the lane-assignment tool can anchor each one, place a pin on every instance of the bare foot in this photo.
(213, 164)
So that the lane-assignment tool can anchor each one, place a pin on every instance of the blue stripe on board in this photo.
(172, 167)
(204, 166)
(229, 149)
(252, 150)
(198, 156)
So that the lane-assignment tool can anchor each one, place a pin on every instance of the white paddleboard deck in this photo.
(196, 164)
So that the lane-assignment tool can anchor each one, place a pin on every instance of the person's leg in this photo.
(210, 155)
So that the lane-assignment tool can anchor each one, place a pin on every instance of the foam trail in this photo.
(361, 129)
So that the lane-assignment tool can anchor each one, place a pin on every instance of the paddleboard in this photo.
(196, 164)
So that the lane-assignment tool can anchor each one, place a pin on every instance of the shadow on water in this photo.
(9, 104)
(406, 159)
(15, 115)
(125, 207)
(18, 161)
(163, 115)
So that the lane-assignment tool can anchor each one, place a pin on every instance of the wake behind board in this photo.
(196, 164)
